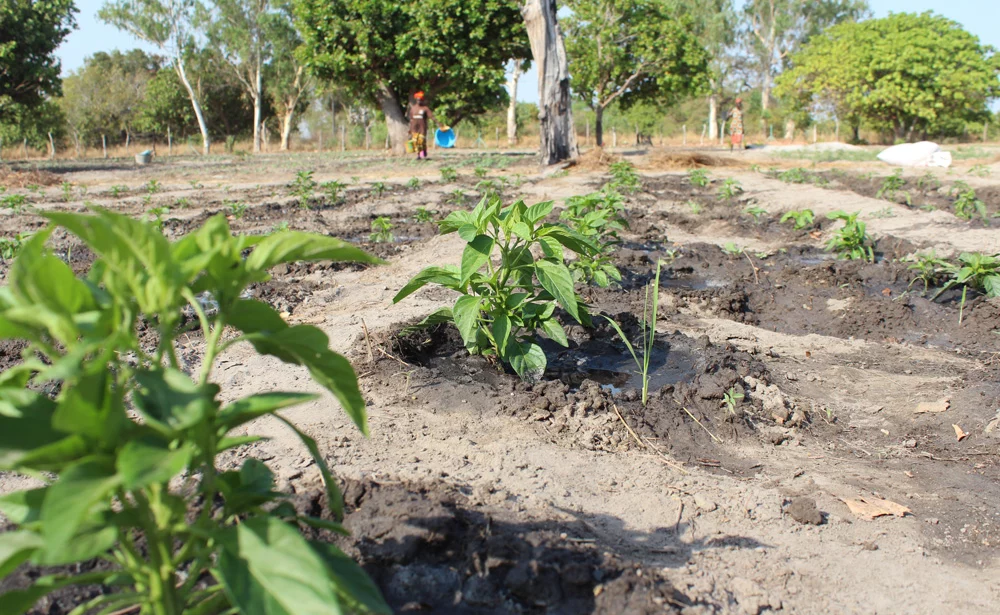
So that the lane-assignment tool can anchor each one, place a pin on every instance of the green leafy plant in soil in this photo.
(489, 188)
(303, 187)
(732, 249)
(382, 231)
(449, 174)
(378, 189)
(67, 191)
(118, 190)
(11, 246)
(153, 186)
(423, 215)
(648, 324)
(624, 178)
(598, 217)
(182, 203)
(334, 191)
(980, 170)
(506, 294)
(976, 271)
(414, 183)
(968, 206)
(731, 400)
(156, 215)
(237, 209)
(927, 268)
(730, 189)
(756, 211)
(456, 197)
(892, 186)
(698, 177)
(927, 182)
(801, 219)
(695, 207)
(851, 241)
(796, 175)
(225, 541)
(481, 172)
(14, 202)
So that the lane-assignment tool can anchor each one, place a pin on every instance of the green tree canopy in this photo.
(30, 31)
(632, 51)
(385, 50)
(907, 74)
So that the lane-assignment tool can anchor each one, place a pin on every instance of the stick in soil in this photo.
(368, 341)
(714, 437)
(754, 267)
(622, 419)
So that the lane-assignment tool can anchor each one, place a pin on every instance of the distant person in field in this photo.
(736, 125)
(420, 116)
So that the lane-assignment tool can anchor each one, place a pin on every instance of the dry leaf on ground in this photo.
(932, 406)
(961, 435)
(871, 507)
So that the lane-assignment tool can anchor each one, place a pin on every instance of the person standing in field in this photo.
(420, 115)
(736, 125)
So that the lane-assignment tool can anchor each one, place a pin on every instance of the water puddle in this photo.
(670, 363)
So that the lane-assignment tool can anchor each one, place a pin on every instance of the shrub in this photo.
(802, 219)
(598, 217)
(851, 241)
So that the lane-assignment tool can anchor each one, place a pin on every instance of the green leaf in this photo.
(555, 332)
(291, 246)
(19, 601)
(249, 408)
(456, 220)
(466, 314)
(170, 401)
(15, 548)
(250, 487)
(551, 248)
(253, 315)
(335, 498)
(308, 346)
(23, 507)
(538, 211)
(568, 238)
(227, 443)
(145, 462)
(435, 318)
(556, 278)
(447, 276)
(475, 255)
(501, 329)
(27, 437)
(350, 581)
(268, 568)
(71, 500)
(527, 359)
(521, 230)
(468, 232)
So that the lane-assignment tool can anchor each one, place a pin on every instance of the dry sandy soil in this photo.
(477, 493)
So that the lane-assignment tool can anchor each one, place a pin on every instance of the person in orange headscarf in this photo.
(420, 115)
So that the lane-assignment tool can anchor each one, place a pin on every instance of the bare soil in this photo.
(478, 493)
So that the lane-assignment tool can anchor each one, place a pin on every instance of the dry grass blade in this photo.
(695, 419)
(630, 430)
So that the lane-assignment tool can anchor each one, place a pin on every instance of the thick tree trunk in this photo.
(512, 106)
(765, 90)
(395, 119)
(286, 127)
(713, 116)
(258, 101)
(558, 138)
(599, 126)
(202, 126)
(789, 130)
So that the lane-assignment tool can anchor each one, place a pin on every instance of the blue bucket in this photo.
(444, 138)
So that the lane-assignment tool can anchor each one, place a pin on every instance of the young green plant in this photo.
(382, 230)
(175, 534)
(851, 241)
(801, 219)
(599, 217)
(648, 325)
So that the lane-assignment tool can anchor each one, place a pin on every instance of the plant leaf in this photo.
(466, 314)
(171, 402)
(334, 497)
(249, 408)
(70, 500)
(527, 359)
(475, 255)
(447, 276)
(350, 581)
(291, 246)
(16, 547)
(556, 278)
(538, 211)
(501, 329)
(144, 462)
(555, 332)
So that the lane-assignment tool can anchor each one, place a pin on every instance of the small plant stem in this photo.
(756, 279)
(961, 308)
(695, 419)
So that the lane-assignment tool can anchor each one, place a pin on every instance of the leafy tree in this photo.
(776, 28)
(166, 106)
(715, 25)
(238, 29)
(906, 73)
(170, 26)
(30, 31)
(32, 124)
(631, 51)
(384, 50)
(288, 83)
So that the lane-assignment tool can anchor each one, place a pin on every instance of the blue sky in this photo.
(981, 17)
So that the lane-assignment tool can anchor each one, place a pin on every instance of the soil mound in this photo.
(9, 178)
(689, 160)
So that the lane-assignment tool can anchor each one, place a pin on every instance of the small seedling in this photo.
(980, 170)
(449, 174)
(624, 178)
(67, 191)
(648, 325)
(885, 212)
(928, 182)
(796, 175)
(928, 268)
(670, 256)
(730, 189)
(967, 206)
(280, 227)
(481, 172)
(851, 241)
(303, 186)
(10, 246)
(414, 183)
(378, 189)
(182, 203)
(156, 215)
(424, 215)
(195, 184)
(457, 197)
(237, 209)
(488, 187)
(695, 207)
(802, 218)
(893, 186)
(756, 211)
(153, 186)
(382, 231)
(732, 249)
(980, 272)
(117, 190)
(599, 217)
(731, 400)
(698, 177)
(333, 190)
(14, 202)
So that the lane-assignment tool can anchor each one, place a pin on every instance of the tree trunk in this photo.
(789, 130)
(286, 127)
(713, 115)
(765, 90)
(599, 126)
(512, 106)
(555, 113)
(202, 126)
(395, 119)
(258, 100)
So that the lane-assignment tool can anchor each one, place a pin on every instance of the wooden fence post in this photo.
(104, 145)
(170, 142)
(343, 138)
(684, 131)
(24, 145)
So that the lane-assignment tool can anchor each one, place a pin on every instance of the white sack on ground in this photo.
(922, 154)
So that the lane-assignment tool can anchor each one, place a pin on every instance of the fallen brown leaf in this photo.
(871, 507)
(816, 234)
(932, 406)
(961, 435)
